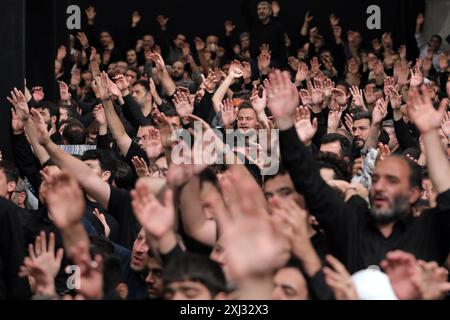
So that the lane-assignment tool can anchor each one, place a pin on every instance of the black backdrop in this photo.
(31, 30)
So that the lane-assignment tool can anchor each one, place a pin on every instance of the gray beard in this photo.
(399, 208)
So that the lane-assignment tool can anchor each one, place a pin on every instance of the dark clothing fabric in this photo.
(12, 253)
(119, 207)
(349, 226)
(96, 223)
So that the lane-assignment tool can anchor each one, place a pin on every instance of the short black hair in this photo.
(197, 268)
(281, 172)
(168, 109)
(137, 71)
(208, 175)
(123, 176)
(105, 159)
(74, 133)
(438, 37)
(340, 167)
(346, 148)
(10, 171)
(362, 115)
(142, 83)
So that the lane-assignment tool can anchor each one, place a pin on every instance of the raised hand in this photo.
(64, 93)
(258, 103)
(16, 123)
(302, 73)
(162, 21)
(380, 111)
(61, 54)
(158, 60)
(315, 66)
(141, 167)
(334, 119)
(282, 95)
(432, 281)
(357, 95)
(416, 77)
(395, 98)
(229, 27)
(402, 267)
(81, 36)
(135, 18)
(154, 146)
(338, 279)
(91, 276)
(264, 60)
(101, 217)
(236, 70)
(182, 104)
(339, 96)
(20, 105)
(99, 115)
(305, 129)
(422, 113)
(155, 217)
(64, 198)
(100, 86)
(445, 126)
(328, 86)
(122, 82)
(200, 45)
(317, 94)
(247, 71)
(42, 135)
(228, 113)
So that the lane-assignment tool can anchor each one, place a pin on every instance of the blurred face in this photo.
(3, 185)
(435, 43)
(218, 255)
(112, 70)
(360, 132)
(148, 42)
(289, 284)
(212, 42)
(174, 121)
(179, 41)
(154, 279)
(186, 290)
(132, 77)
(143, 138)
(140, 94)
(63, 114)
(131, 57)
(263, 11)
(331, 147)
(105, 39)
(139, 256)
(94, 165)
(45, 113)
(87, 78)
(121, 67)
(282, 187)
(177, 70)
(245, 42)
(390, 193)
(246, 120)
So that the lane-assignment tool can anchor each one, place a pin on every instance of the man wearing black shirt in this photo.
(364, 238)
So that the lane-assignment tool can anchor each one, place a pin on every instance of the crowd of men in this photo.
(96, 203)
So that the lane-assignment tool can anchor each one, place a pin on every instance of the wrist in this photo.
(284, 123)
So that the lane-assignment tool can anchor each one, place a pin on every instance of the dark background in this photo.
(31, 30)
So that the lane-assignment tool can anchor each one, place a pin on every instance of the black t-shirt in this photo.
(12, 253)
(97, 224)
(119, 207)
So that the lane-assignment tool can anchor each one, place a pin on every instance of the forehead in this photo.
(280, 181)
(178, 64)
(290, 275)
(137, 86)
(246, 112)
(177, 285)
(393, 166)
(361, 122)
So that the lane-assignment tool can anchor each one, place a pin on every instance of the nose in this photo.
(150, 279)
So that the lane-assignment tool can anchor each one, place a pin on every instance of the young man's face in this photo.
(154, 279)
(131, 76)
(281, 187)
(5, 187)
(105, 39)
(391, 193)
(139, 256)
(140, 94)
(246, 120)
(332, 147)
(131, 57)
(45, 113)
(435, 43)
(360, 132)
(63, 114)
(187, 290)
(87, 78)
(94, 165)
(289, 284)
(179, 41)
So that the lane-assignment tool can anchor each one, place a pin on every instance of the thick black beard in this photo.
(399, 208)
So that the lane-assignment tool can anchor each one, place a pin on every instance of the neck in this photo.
(386, 229)
(147, 109)
(265, 21)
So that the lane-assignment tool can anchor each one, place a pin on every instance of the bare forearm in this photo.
(372, 139)
(437, 162)
(73, 236)
(221, 92)
(167, 83)
(38, 150)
